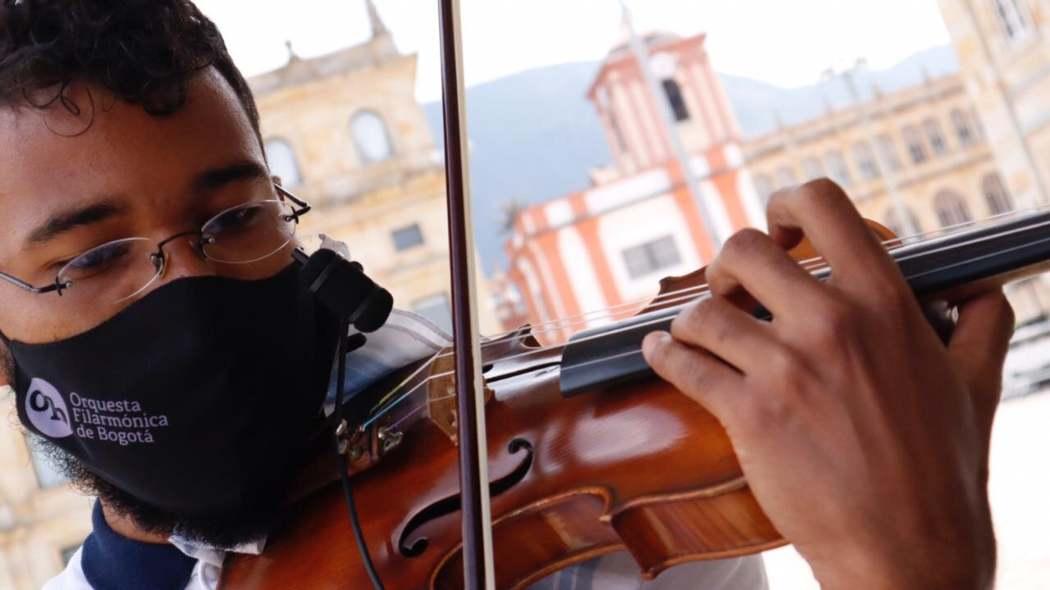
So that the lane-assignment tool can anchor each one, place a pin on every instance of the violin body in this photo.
(635, 466)
(638, 467)
(646, 469)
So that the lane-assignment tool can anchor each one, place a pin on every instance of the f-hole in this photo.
(410, 547)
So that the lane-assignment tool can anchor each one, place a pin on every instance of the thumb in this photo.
(978, 349)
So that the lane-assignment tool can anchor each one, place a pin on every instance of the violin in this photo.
(588, 452)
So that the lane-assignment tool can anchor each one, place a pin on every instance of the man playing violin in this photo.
(152, 327)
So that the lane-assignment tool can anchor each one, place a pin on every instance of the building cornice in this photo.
(298, 71)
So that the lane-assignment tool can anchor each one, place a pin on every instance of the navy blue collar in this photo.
(113, 562)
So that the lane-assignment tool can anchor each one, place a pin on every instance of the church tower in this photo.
(631, 117)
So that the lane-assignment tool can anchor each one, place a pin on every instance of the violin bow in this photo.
(478, 566)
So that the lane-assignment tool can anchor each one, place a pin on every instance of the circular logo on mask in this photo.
(47, 410)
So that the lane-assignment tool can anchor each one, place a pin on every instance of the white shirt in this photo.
(404, 339)
(613, 572)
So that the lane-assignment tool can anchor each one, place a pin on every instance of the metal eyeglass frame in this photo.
(58, 286)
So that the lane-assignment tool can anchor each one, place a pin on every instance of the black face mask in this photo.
(199, 400)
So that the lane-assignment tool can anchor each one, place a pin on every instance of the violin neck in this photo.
(951, 268)
(956, 265)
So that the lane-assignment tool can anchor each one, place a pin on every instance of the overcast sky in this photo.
(786, 42)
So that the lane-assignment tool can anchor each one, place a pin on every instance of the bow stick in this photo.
(478, 567)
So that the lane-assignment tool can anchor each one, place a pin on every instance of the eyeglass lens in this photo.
(120, 269)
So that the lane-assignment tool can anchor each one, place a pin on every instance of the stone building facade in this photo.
(917, 160)
(344, 131)
(1004, 53)
(925, 143)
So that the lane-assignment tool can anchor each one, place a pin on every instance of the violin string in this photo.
(655, 321)
(821, 265)
(415, 373)
(587, 318)
(814, 263)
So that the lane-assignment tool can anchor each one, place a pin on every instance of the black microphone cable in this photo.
(342, 464)
(342, 287)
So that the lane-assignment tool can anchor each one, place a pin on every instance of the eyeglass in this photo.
(121, 269)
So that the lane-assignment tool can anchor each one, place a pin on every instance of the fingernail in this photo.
(653, 341)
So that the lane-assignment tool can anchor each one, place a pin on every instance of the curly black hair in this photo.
(142, 51)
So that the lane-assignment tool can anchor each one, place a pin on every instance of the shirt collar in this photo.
(113, 562)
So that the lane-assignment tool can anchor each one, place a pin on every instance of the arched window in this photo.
(837, 168)
(281, 157)
(1013, 17)
(963, 128)
(865, 161)
(995, 194)
(916, 147)
(370, 137)
(893, 221)
(888, 152)
(786, 177)
(935, 136)
(951, 209)
(763, 186)
(813, 168)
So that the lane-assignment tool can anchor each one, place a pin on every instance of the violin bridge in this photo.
(441, 397)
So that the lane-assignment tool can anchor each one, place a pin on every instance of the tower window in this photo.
(645, 259)
(995, 194)
(408, 237)
(1013, 16)
(888, 152)
(963, 128)
(675, 98)
(935, 136)
(951, 209)
(896, 225)
(371, 137)
(281, 157)
(916, 147)
(865, 160)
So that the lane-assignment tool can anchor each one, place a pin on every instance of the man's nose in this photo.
(183, 259)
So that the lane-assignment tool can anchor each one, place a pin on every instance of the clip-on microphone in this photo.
(343, 288)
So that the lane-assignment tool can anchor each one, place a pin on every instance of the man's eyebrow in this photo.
(64, 221)
(107, 208)
(216, 178)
